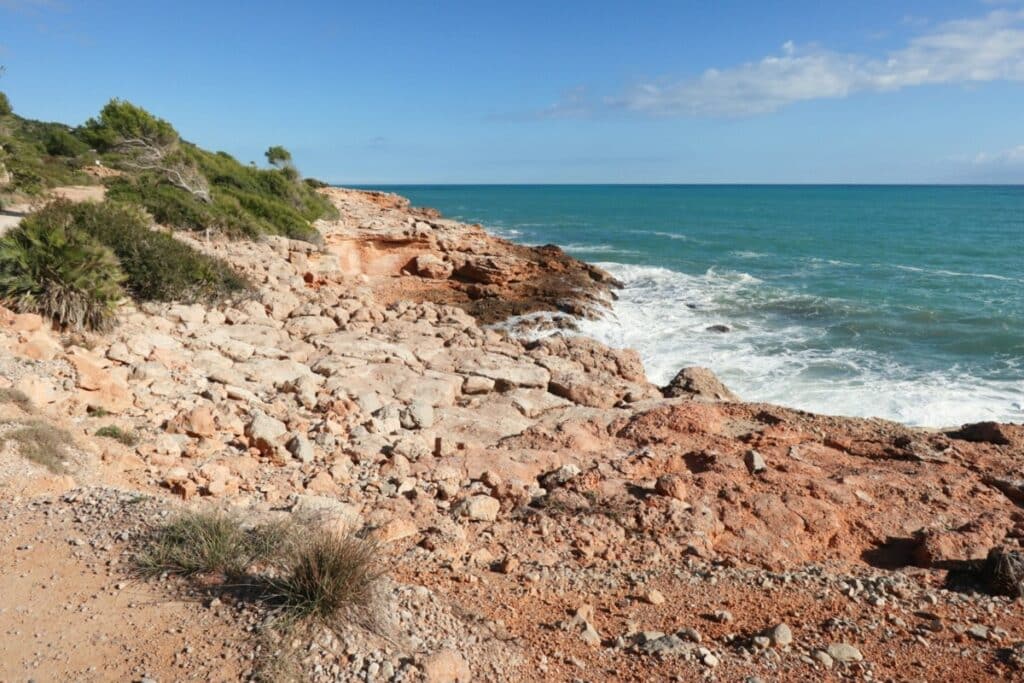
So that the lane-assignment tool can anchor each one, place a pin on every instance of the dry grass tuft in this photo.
(17, 397)
(306, 574)
(42, 443)
(203, 543)
(117, 434)
(324, 575)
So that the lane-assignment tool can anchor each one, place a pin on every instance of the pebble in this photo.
(755, 462)
(844, 652)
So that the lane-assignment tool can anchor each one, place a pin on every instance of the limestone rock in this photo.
(481, 508)
(697, 381)
(430, 266)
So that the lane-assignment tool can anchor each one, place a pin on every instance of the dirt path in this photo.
(69, 611)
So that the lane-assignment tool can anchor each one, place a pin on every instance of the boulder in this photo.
(983, 432)
(265, 433)
(432, 267)
(696, 381)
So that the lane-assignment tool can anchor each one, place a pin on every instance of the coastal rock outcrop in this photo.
(698, 382)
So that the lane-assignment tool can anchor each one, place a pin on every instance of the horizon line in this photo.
(672, 184)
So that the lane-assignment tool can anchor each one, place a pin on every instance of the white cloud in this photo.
(1014, 156)
(983, 49)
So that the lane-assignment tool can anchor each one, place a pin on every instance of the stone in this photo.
(300, 448)
(983, 432)
(823, 658)
(265, 432)
(590, 636)
(780, 635)
(754, 462)
(199, 422)
(978, 632)
(119, 352)
(481, 508)
(477, 385)
(418, 415)
(844, 652)
(671, 486)
(446, 666)
(432, 267)
(698, 382)
(655, 597)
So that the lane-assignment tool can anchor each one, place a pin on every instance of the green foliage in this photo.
(5, 105)
(48, 265)
(25, 149)
(117, 434)
(120, 120)
(246, 202)
(61, 143)
(278, 156)
(158, 266)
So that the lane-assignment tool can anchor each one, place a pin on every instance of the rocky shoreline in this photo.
(546, 513)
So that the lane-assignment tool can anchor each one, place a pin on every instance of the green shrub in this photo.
(117, 434)
(120, 120)
(48, 265)
(278, 156)
(158, 267)
(61, 143)
(5, 105)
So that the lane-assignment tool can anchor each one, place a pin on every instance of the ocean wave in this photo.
(950, 273)
(661, 233)
(776, 358)
(748, 254)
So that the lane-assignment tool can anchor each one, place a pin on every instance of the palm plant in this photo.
(60, 272)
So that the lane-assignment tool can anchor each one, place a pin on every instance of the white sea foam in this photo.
(664, 315)
(954, 273)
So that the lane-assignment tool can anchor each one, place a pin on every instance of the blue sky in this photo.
(448, 92)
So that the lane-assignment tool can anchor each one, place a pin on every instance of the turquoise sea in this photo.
(888, 301)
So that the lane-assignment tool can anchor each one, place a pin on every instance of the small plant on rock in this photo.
(117, 434)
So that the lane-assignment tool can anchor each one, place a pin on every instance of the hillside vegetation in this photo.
(177, 182)
(72, 263)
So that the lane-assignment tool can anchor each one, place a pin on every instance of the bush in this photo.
(203, 543)
(120, 120)
(61, 143)
(324, 574)
(5, 105)
(117, 434)
(158, 267)
(278, 156)
(51, 267)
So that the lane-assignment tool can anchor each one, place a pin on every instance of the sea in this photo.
(900, 302)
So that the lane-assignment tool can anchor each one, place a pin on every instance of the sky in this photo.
(401, 91)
